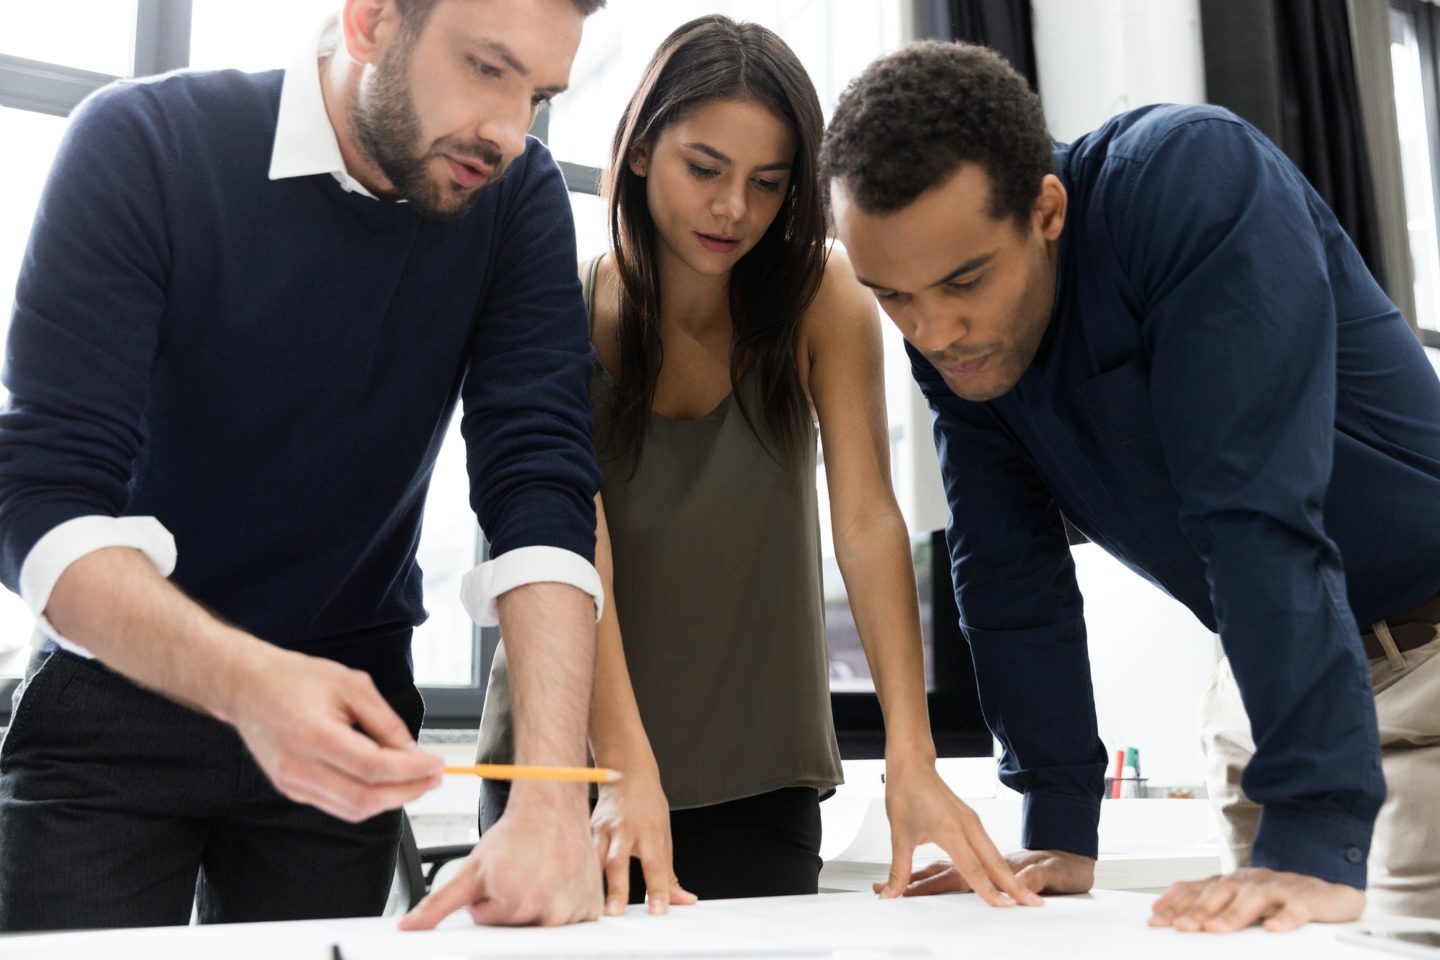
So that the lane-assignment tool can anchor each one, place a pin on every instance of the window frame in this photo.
(458, 706)
(1426, 17)
(162, 43)
(957, 723)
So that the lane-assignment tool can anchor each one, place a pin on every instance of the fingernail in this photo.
(613, 908)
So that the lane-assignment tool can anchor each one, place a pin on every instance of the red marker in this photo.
(1119, 774)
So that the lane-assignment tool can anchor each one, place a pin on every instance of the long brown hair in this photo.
(712, 59)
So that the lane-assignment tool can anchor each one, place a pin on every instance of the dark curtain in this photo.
(1287, 66)
(1002, 25)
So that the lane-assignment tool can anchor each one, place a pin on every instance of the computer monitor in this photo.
(955, 718)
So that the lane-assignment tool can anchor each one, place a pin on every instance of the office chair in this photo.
(416, 866)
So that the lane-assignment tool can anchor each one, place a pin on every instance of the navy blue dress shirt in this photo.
(1225, 401)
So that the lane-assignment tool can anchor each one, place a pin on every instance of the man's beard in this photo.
(387, 130)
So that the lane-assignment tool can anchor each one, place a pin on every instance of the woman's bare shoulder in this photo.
(843, 308)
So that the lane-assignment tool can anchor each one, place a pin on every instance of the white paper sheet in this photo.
(1103, 925)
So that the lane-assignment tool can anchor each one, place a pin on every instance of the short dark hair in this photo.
(913, 116)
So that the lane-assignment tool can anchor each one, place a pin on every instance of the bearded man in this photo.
(249, 307)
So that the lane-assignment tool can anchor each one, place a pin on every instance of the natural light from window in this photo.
(23, 173)
(98, 35)
(95, 35)
(1418, 164)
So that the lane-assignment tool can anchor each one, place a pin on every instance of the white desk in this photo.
(1103, 925)
(1144, 844)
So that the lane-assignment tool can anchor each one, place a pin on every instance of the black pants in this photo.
(762, 846)
(120, 808)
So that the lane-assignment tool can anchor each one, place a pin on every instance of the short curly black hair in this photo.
(913, 116)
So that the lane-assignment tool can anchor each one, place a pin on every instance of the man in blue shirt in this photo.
(1160, 332)
(248, 310)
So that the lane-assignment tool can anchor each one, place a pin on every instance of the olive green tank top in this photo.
(718, 593)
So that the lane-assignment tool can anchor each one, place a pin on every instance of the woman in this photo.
(722, 332)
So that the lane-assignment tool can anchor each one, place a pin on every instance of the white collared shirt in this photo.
(305, 145)
(305, 141)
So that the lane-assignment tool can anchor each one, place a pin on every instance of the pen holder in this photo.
(1131, 788)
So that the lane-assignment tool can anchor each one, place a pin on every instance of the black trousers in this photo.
(761, 846)
(120, 808)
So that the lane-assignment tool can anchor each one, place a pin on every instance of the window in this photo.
(592, 234)
(110, 41)
(23, 173)
(140, 37)
(834, 41)
(1415, 61)
(93, 35)
(256, 35)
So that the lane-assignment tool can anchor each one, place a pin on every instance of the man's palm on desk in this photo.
(1221, 904)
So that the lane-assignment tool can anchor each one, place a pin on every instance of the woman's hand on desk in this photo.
(1279, 900)
(1040, 871)
(922, 809)
(632, 819)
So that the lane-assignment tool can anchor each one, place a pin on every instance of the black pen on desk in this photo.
(335, 952)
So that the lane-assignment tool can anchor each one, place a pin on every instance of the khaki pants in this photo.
(1404, 866)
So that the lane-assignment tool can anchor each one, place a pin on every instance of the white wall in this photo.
(1097, 58)
(1150, 660)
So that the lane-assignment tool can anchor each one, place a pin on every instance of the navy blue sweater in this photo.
(268, 367)
(1225, 401)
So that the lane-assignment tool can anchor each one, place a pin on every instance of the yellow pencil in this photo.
(509, 771)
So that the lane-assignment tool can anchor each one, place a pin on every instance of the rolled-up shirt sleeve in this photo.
(484, 585)
(1021, 611)
(1240, 326)
(73, 539)
(527, 420)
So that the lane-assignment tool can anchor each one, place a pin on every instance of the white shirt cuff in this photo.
(73, 539)
(482, 586)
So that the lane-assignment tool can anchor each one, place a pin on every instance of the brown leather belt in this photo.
(1409, 628)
